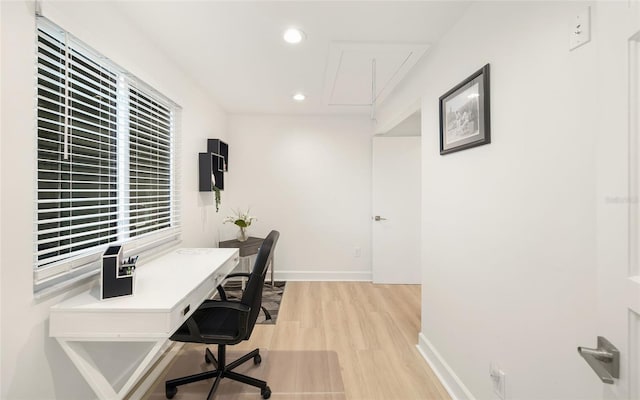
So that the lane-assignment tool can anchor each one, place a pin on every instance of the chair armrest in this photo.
(229, 305)
(243, 313)
(222, 292)
(236, 274)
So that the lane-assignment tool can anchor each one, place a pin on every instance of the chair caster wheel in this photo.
(265, 393)
(257, 360)
(171, 391)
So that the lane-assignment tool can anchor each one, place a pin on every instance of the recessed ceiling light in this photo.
(293, 35)
(299, 97)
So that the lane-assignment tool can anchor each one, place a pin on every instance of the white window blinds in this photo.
(149, 164)
(106, 157)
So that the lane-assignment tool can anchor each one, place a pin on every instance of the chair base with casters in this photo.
(222, 370)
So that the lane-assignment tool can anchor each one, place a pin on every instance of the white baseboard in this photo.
(451, 382)
(360, 276)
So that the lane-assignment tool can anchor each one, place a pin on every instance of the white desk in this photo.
(167, 291)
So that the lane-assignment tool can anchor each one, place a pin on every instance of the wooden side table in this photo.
(247, 249)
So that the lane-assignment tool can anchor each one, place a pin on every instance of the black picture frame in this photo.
(465, 117)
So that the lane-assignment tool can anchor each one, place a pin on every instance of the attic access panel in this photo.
(349, 75)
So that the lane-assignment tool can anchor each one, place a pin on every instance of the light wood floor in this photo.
(373, 330)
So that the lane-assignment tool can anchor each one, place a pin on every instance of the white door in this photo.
(616, 30)
(396, 210)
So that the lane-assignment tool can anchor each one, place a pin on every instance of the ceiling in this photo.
(236, 52)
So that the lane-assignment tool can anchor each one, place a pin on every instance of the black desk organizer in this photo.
(117, 275)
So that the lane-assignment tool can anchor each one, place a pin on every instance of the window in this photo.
(106, 159)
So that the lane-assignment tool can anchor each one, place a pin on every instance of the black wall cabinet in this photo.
(213, 164)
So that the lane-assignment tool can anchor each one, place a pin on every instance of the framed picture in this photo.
(464, 114)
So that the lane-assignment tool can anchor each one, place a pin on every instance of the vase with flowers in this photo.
(243, 220)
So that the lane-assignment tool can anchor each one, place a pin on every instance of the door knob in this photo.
(379, 218)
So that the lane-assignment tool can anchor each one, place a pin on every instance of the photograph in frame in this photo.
(464, 114)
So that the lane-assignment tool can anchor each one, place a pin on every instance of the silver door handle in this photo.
(604, 360)
(379, 218)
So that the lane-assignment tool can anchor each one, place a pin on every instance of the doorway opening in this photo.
(396, 203)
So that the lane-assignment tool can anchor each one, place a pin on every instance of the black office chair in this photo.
(225, 322)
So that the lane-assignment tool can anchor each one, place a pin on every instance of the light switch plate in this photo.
(580, 28)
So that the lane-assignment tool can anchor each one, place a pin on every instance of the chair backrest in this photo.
(252, 295)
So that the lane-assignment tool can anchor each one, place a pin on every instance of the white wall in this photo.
(411, 126)
(310, 178)
(33, 365)
(509, 272)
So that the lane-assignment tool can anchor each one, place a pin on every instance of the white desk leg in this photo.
(142, 367)
(96, 379)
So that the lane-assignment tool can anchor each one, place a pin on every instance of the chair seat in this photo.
(217, 326)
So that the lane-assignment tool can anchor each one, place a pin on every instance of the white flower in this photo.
(242, 219)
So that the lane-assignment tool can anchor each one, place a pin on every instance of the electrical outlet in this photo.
(356, 252)
(580, 28)
(497, 381)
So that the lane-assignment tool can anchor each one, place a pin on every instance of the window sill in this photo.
(93, 275)
(66, 285)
